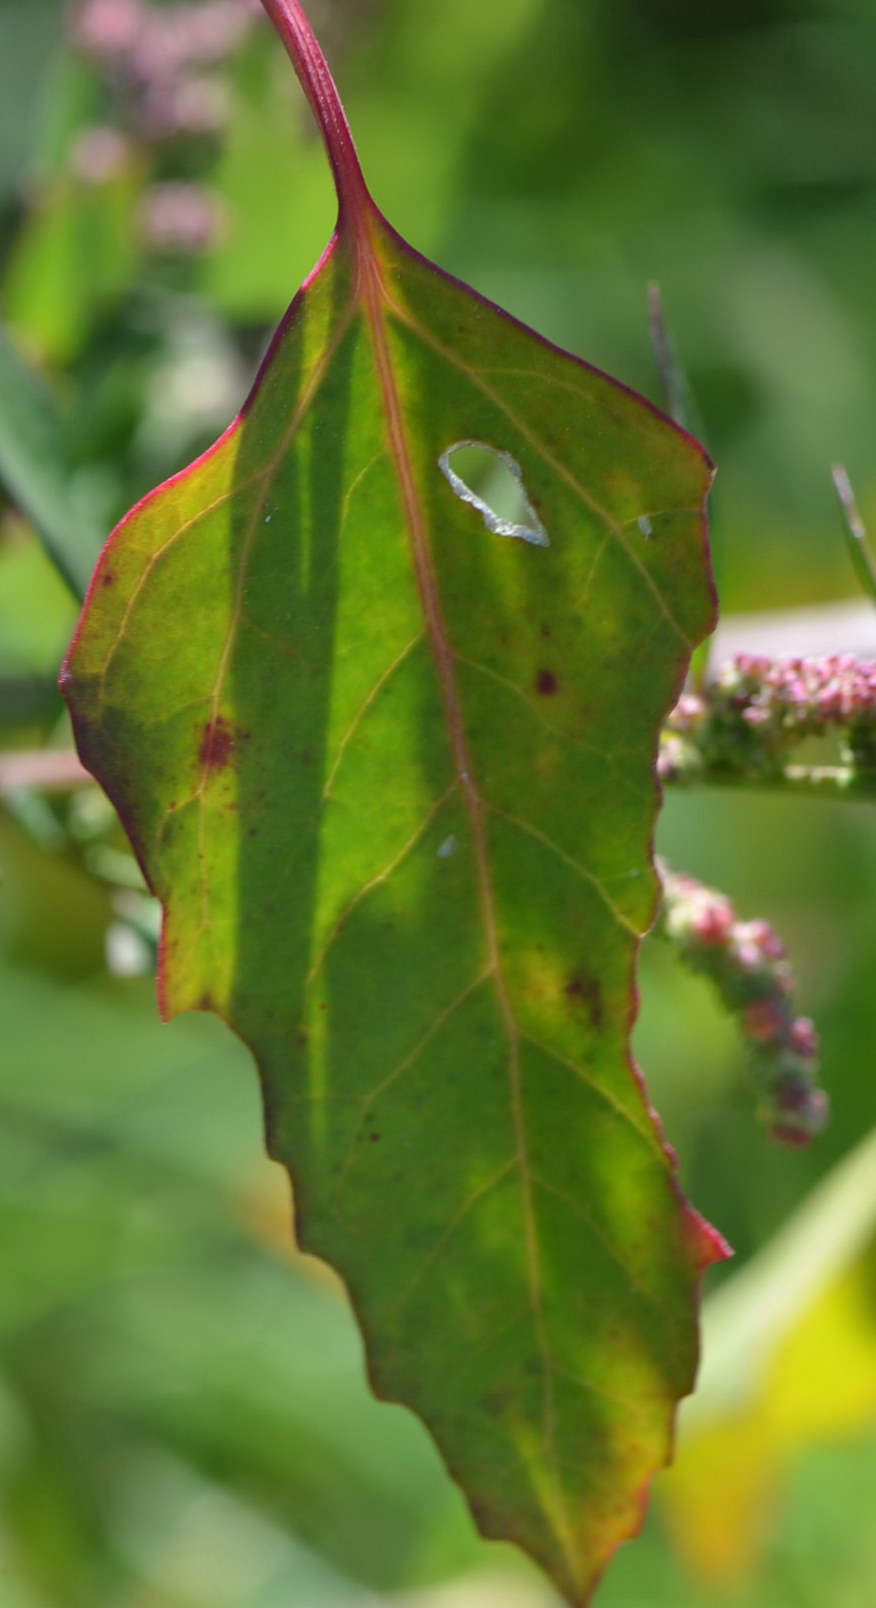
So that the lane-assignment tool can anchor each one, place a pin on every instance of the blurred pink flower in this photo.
(107, 29)
(182, 218)
(99, 153)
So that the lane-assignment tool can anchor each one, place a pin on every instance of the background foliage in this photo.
(184, 1416)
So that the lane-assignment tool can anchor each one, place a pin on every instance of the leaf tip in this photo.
(705, 1244)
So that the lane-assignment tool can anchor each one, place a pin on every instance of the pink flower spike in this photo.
(803, 1039)
(765, 936)
(749, 956)
(765, 1021)
(712, 920)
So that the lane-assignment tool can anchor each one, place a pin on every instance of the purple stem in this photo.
(291, 22)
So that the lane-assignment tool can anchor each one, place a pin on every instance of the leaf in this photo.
(76, 254)
(391, 774)
(790, 1362)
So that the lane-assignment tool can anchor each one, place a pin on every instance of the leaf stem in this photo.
(291, 23)
(673, 381)
(855, 532)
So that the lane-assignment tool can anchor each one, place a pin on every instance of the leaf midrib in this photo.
(376, 301)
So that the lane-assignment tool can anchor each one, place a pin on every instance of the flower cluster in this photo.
(748, 964)
(164, 69)
(758, 709)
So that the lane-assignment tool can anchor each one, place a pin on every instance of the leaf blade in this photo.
(400, 815)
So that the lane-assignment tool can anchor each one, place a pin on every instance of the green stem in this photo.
(673, 382)
(855, 533)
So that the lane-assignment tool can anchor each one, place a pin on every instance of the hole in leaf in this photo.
(492, 482)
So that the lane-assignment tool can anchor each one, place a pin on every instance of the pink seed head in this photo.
(712, 918)
(804, 1040)
(765, 1021)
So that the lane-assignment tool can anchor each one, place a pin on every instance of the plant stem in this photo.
(855, 532)
(673, 383)
(291, 23)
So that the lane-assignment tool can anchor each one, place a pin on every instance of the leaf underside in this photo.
(392, 776)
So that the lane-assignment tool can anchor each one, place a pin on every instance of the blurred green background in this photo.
(184, 1419)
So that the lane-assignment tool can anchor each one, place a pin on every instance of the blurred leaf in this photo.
(152, 1352)
(28, 41)
(789, 1361)
(272, 175)
(27, 700)
(37, 606)
(34, 469)
(51, 914)
(76, 253)
(355, 740)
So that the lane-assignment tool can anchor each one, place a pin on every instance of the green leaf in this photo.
(76, 255)
(391, 773)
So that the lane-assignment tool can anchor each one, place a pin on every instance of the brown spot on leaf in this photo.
(218, 743)
(107, 578)
(586, 991)
(545, 630)
(546, 683)
(374, 1137)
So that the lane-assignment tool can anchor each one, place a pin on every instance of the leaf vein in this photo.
(376, 882)
(580, 1212)
(377, 301)
(574, 865)
(627, 1403)
(597, 1088)
(474, 1199)
(510, 686)
(364, 708)
(435, 1027)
